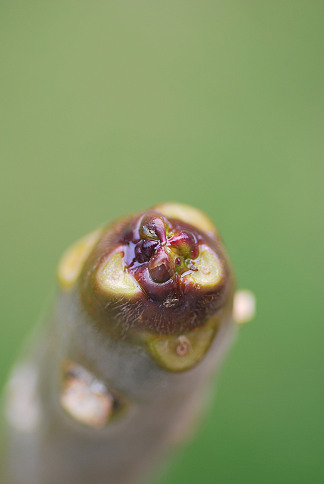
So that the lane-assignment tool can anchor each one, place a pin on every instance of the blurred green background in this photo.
(108, 107)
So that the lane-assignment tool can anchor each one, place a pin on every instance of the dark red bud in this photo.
(144, 250)
(161, 267)
(186, 244)
(153, 227)
(163, 257)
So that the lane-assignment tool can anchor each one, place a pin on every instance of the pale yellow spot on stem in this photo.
(72, 261)
(209, 270)
(180, 353)
(113, 278)
(188, 214)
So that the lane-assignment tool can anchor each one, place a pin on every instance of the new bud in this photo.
(160, 273)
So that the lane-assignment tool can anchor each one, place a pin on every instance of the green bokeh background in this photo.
(109, 107)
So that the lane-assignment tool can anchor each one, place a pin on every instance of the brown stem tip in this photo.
(164, 271)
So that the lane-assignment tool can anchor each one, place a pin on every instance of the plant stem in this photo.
(101, 402)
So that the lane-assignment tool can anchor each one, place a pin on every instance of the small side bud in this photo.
(85, 398)
(244, 306)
